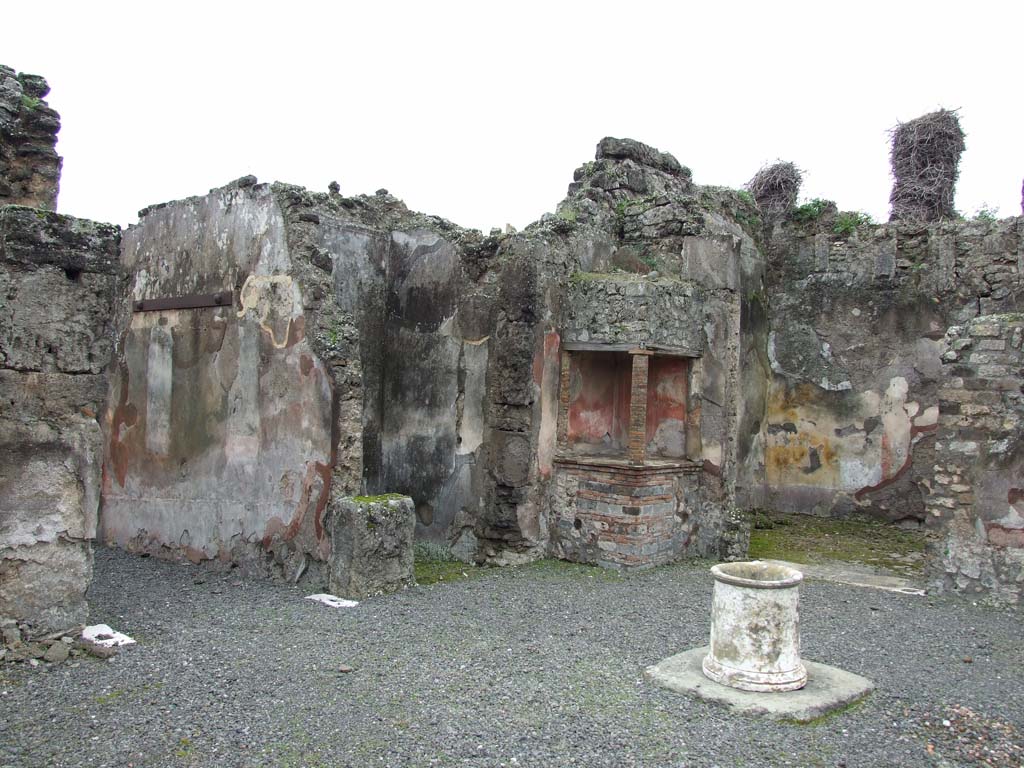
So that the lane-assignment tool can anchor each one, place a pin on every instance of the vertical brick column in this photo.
(977, 485)
(638, 406)
(563, 401)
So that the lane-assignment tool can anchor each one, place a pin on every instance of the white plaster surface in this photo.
(102, 634)
(755, 627)
(856, 576)
(159, 386)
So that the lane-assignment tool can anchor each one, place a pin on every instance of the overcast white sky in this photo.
(479, 112)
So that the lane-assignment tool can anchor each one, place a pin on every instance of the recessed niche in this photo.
(599, 387)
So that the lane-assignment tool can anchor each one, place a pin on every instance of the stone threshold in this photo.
(855, 575)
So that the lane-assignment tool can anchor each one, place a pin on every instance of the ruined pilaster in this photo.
(638, 406)
(975, 496)
(59, 279)
(29, 164)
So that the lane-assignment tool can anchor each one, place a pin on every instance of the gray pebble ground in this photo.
(533, 666)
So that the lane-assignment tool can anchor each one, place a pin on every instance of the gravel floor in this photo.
(533, 666)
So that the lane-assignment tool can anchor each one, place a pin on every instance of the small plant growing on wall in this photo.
(987, 213)
(812, 211)
(848, 221)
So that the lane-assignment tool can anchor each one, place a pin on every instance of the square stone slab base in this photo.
(827, 688)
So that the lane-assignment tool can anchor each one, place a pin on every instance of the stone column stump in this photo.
(371, 544)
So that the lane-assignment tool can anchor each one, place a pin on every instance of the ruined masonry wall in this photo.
(856, 329)
(436, 342)
(29, 164)
(614, 308)
(220, 422)
(59, 278)
(420, 292)
(976, 495)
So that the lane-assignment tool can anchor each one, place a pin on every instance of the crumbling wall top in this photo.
(630, 149)
(29, 164)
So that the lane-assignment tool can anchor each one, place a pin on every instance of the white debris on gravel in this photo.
(333, 601)
(102, 634)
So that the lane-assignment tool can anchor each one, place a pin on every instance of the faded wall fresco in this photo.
(856, 324)
(219, 419)
(436, 332)
(668, 393)
(824, 447)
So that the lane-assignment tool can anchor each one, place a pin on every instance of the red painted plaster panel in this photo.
(599, 385)
(667, 394)
(1001, 536)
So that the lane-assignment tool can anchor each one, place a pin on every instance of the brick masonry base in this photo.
(617, 515)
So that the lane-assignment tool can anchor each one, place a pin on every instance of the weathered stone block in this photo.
(371, 544)
(60, 277)
(49, 495)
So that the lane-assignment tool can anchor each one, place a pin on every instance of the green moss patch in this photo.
(808, 539)
(434, 564)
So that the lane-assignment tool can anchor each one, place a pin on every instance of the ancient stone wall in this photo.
(29, 164)
(421, 291)
(636, 256)
(223, 422)
(354, 358)
(615, 308)
(59, 279)
(856, 326)
(975, 497)
(278, 350)
(436, 346)
(521, 406)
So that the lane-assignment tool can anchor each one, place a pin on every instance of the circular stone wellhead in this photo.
(755, 628)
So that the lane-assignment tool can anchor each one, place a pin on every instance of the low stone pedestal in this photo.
(371, 545)
(826, 690)
(753, 663)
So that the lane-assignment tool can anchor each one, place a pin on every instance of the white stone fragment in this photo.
(102, 634)
(332, 601)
